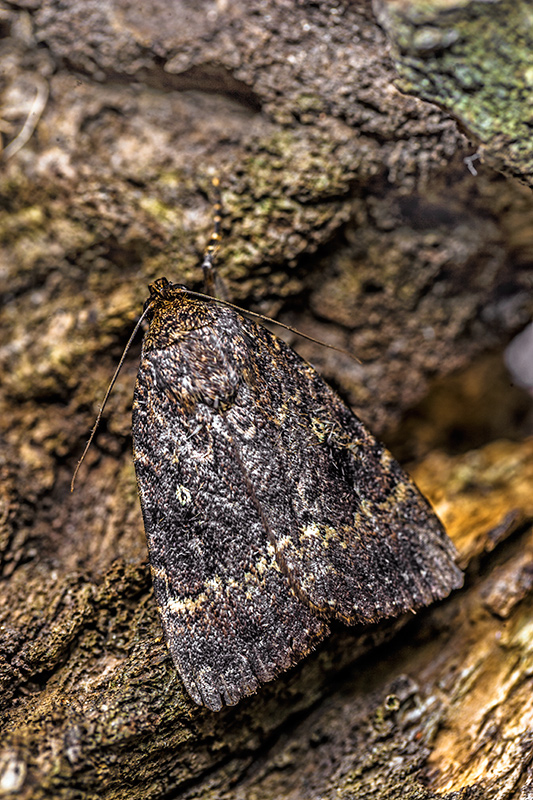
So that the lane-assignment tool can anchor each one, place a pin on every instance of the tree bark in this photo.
(348, 213)
(473, 60)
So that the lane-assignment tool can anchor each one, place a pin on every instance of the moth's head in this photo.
(172, 312)
(163, 290)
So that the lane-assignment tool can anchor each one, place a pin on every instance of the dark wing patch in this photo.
(354, 536)
(229, 616)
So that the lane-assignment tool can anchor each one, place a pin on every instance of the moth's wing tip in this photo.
(214, 689)
(215, 695)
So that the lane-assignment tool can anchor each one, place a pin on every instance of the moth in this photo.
(270, 510)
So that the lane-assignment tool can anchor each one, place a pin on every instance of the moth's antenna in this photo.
(211, 284)
(109, 388)
(269, 319)
(216, 290)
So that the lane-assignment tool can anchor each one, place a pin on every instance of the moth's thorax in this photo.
(173, 317)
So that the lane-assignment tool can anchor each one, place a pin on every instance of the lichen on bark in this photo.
(474, 60)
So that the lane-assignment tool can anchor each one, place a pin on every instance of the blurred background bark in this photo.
(361, 215)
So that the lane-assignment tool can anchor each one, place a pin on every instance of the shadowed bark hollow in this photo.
(349, 213)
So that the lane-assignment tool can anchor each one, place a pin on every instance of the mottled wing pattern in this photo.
(269, 508)
(229, 616)
(354, 536)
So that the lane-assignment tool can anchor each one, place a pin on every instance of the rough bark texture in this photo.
(350, 214)
(473, 59)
